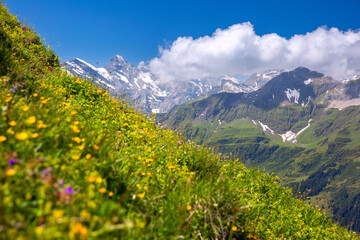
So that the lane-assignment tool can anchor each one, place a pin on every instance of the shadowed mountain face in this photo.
(288, 86)
(293, 87)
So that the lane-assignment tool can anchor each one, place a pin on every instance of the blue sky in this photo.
(95, 31)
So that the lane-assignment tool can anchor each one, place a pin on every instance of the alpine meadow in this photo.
(78, 163)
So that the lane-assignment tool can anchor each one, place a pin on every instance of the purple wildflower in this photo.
(60, 182)
(69, 190)
(50, 69)
(12, 161)
(13, 89)
(46, 171)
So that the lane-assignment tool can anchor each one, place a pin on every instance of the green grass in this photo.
(78, 164)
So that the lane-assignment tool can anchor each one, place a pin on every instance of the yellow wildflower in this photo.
(141, 195)
(96, 147)
(21, 136)
(31, 120)
(35, 94)
(12, 123)
(41, 124)
(234, 228)
(81, 147)
(10, 131)
(84, 214)
(66, 104)
(26, 108)
(75, 129)
(10, 172)
(98, 180)
(91, 179)
(88, 156)
(78, 229)
(75, 157)
(58, 213)
(103, 122)
(188, 207)
(76, 122)
(73, 112)
(171, 167)
(45, 101)
(34, 135)
(102, 190)
(76, 139)
(111, 194)
(3, 138)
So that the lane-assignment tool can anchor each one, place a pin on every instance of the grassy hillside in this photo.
(77, 164)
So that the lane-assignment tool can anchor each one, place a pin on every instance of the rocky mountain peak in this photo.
(258, 80)
(119, 60)
(303, 72)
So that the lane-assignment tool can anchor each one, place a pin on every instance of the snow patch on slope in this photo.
(104, 73)
(292, 94)
(308, 101)
(266, 128)
(307, 82)
(290, 136)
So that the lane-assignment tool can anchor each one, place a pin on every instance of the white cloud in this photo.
(237, 50)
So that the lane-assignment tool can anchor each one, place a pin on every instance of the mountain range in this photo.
(151, 95)
(301, 125)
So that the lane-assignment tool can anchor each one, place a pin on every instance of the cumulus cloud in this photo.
(239, 51)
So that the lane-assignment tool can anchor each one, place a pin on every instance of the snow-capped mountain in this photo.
(141, 85)
(258, 80)
(151, 95)
(120, 77)
(231, 85)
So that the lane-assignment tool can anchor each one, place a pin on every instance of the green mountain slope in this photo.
(77, 164)
(321, 164)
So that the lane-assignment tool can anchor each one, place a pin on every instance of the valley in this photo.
(313, 147)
